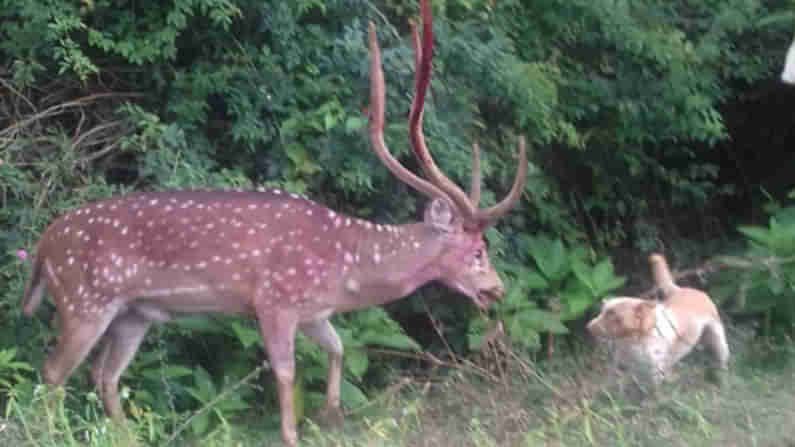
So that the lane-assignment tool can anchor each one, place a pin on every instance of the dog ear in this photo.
(645, 316)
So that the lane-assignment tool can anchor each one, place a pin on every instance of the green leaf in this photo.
(356, 362)
(247, 335)
(777, 18)
(201, 423)
(584, 274)
(603, 271)
(776, 284)
(353, 124)
(168, 372)
(232, 403)
(475, 340)
(576, 305)
(200, 324)
(299, 399)
(517, 296)
(397, 341)
(301, 160)
(351, 395)
(758, 234)
(604, 280)
(204, 382)
(541, 321)
(532, 280)
(550, 257)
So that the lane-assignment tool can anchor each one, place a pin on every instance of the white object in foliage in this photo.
(788, 75)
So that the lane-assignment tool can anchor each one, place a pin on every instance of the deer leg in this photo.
(323, 333)
(76, 340)
(122, 340)
(278, 331)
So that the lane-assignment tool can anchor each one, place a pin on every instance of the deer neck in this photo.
(391, 264)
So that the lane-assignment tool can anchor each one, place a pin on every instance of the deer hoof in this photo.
(331, 417)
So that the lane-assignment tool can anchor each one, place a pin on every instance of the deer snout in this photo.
(492, 292)
(498, 292)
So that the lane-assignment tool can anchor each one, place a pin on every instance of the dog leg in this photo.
(714, 338)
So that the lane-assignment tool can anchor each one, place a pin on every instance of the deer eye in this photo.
(480, 254)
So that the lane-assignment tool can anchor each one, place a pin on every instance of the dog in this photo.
(650, 337)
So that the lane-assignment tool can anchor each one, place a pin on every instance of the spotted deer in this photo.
(117, 266)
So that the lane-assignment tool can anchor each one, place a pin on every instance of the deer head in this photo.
(117, 266)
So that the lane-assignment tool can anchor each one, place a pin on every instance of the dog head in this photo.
(623, 317)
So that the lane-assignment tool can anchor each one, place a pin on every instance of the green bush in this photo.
(561, 285)
(766, 280)
(623, 104)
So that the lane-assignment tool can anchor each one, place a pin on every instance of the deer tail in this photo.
(36, 288)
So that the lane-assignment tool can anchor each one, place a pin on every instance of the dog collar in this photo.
(665, 322)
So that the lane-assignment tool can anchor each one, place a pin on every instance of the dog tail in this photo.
(662, 275)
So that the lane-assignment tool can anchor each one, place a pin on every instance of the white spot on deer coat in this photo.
(352, 285)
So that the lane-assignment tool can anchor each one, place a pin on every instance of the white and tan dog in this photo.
(655, 335)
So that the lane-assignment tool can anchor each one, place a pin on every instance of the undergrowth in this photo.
(502, 399)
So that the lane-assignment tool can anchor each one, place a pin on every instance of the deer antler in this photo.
(487, 216)
(377, 93)
(423, 57)
(466, 205)
(437, 185)
(474, 189)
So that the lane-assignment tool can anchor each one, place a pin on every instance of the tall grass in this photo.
(502, 400)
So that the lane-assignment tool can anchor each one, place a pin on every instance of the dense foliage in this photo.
(646, 120)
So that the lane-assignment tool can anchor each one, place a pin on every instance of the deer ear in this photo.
(439, 213)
